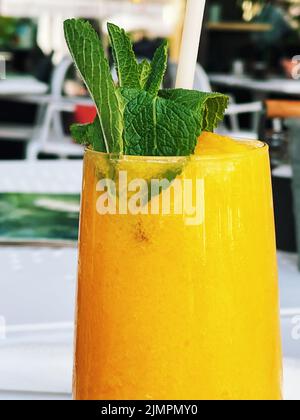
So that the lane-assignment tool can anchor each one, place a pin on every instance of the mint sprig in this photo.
(136, 117)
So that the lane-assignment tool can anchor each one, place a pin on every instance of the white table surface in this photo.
(56, 176)
(36, 357)
(271, 85)
(22, 86)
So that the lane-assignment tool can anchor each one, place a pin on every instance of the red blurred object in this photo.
(85, 114)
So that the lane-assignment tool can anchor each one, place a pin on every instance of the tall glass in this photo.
(173, 305)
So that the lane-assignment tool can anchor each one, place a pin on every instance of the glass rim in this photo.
(258, 147)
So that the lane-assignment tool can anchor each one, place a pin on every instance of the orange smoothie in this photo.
(174, 310)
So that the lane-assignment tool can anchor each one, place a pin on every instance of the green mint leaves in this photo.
(156, 126)
(93, 66)
(207, 107)
(157, 69)
(125, 61)
(136, 117)
(144, 69)
(89, 135)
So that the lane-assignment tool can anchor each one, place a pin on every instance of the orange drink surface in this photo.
(171, 309)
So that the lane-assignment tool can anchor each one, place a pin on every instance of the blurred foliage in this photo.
(8, 28)
(39, 216)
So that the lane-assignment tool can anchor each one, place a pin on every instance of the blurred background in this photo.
(249, 50)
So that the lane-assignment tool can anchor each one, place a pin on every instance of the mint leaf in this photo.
(88, 54)
(208, 107)
(124, 57)
(158, 69)
(89, 135)
(158, 126)
(144, 70)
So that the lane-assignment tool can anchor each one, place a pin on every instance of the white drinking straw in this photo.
(190, 44)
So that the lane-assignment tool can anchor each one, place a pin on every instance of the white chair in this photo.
(19, 89)
(231, 127)
(48, 136)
